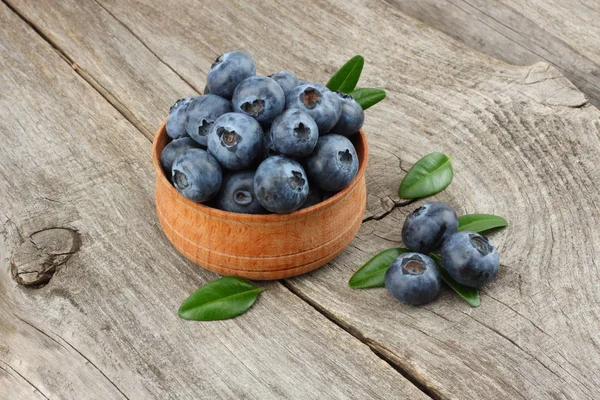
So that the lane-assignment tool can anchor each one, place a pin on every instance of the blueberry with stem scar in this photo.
(197, 175)
(201, 114)
(237, 194)
(317, 101)
(235, 140)
(281, 184)
(259, 97)
(470, 258)
(333, 163)
(413, 278)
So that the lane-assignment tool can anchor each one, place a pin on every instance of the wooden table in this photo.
(85, 83)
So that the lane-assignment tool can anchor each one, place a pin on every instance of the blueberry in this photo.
(294, 133)
(352, 117)
(413, 278)
(201, 113)
(280, 184)
(237, 194)
(228, 71)
(315, 196)
(426, 228)
(333, 164)
(173, 150)
(197, 175)
(470, 258)
(259, 97)
(317, 101)
(235, 140)
(176, 121)
(286, 80)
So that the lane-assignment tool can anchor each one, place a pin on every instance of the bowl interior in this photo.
(161, 139)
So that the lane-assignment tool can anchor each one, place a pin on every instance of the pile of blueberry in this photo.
(256, 144)
(468, 257)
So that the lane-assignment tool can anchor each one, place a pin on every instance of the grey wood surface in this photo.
(524, 142)
(106, 325)
(565, 33)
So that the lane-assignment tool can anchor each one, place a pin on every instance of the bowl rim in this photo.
(221, 214)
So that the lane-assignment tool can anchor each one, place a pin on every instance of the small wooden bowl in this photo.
(260, 247)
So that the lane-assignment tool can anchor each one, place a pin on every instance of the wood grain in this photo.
(525, 145)
(105, 326)
(565, 33)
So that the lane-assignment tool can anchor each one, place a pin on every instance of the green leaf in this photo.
(469, 294)
(368, 97)
(480, 222)
(346, 78)
(224, 298)
(372, 274)
(430, 175)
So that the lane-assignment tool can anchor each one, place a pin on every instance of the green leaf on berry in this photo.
(346, 78)
(368, 97)
(430, 175)
(469, 294)
(372, 274)
(480, 222)
(224, 298)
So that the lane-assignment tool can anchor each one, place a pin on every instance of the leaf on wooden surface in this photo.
(372, 274)
(480, 222)
(368, 97)
(224, 298)
(346, 78)
(469, 294)
(430, 175)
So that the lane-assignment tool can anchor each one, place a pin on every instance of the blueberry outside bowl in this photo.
(260, 247)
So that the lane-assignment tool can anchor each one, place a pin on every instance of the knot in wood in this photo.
(34, 263)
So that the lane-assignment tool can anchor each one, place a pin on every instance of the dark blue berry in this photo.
(286, 80)
(228, 71)
(197, 175)
(470, 258)
(237, 194)
(259, 97)
(294, 133)
(281, 184)
(333, 163)
(235, 140)
(352, 117)
(317, 101)
(201, 114)
(173, 150)
(426, 228)
(176, 120)
(413, 278)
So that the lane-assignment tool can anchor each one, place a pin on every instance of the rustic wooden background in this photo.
(85, 83)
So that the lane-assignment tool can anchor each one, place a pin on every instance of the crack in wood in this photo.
(397, 204)
(191, 85)
(24, 378)
(119, 106)
(379, 350)
(36, 260)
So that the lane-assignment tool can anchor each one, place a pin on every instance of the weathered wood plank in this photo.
(525, 145)
(565, 33)
(105, 326)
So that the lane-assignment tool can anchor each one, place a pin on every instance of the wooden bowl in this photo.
(260, 247)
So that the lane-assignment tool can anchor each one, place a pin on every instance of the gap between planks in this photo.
(379, 350)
